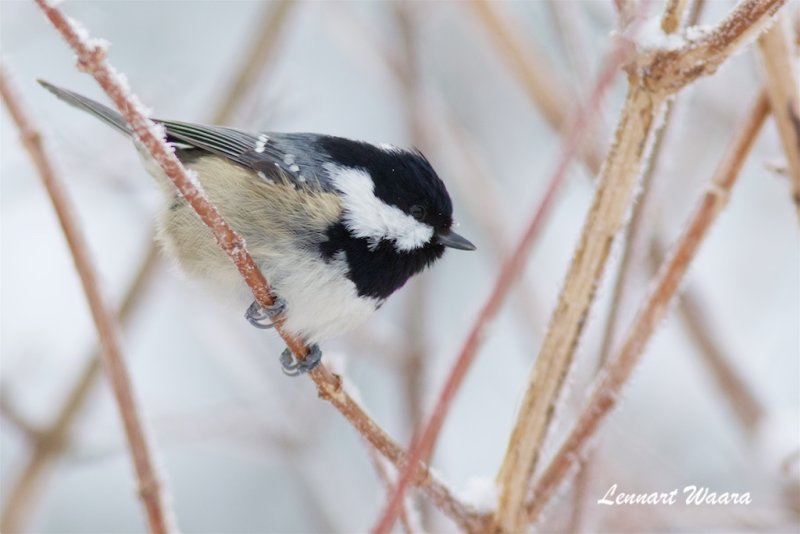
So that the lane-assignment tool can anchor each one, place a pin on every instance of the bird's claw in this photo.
(294, 367)
(257, 315)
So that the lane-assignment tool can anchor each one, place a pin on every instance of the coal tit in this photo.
(335, 225)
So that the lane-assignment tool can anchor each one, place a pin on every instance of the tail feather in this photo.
(104, 113)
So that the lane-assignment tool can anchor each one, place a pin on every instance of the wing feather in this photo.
(273, 155)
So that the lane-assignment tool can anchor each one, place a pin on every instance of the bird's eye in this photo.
(418, 212)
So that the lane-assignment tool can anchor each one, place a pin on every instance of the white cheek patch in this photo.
(365, 215)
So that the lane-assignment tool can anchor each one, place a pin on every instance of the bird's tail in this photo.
(104, 113)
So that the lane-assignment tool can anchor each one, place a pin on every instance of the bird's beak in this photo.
(451, 239)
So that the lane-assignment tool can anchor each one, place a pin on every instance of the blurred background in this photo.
(241, 447)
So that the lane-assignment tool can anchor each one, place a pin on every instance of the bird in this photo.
(336, 225)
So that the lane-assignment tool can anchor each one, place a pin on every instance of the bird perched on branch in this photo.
(335, 225)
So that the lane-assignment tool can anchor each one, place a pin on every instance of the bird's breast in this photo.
(322, 302)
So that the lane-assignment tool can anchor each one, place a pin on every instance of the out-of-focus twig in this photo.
(783, 88)
(159, 515)
(53, 439)
(565, 15)
(746, 407)
(10, 412)
(487, 205)
(655, 75)
(616, 373)
(671, 19)
(268, 32)
(415, 345)
(465, 516)
(508, 275)
(625, 11)
(515, 50)
(410, 88)
(406, 515)
(696, 11)
(91, 58)
(552, 96)
(634, 236)
(485, 202)
(555, 356)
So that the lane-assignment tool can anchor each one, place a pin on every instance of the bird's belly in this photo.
(321, 302)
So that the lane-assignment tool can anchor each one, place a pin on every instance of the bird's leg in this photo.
(256, 315)
(294, 367)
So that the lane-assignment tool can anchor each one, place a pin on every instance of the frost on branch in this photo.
(481, 493)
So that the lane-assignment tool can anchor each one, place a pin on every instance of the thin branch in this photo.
(485, 203)
(268, 32)
(659, 73)
(53, 439)
(744, 403)
(634, 230)
(667, 71)
(55, 436)
(383, 474)
(633, 241)
(415, 321)
(783, 88)
(696, 12)
(673, 11)
(527, 75)
(10, 412)
(508, 275)
(465, 516)
(551, 95)
(555, 356)
(566, 17)
(632, 244)
(91, 58)
(416, 346)
(626, 9)
(159, 516)
(488, 207)
(616, 374)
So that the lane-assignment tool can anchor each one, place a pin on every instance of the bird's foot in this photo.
(264, 317)
(293, 367)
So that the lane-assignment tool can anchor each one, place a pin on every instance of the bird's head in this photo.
(392, 194)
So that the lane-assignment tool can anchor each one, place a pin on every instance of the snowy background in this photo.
(242, 447)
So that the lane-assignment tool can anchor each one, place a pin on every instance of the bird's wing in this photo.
(292, 157)
(296, 158)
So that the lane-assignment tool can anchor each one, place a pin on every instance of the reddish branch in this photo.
(159, 516)
(53, 440)
(508, 275)
(616, 373)
(91, 58)
(542, 82)
(268, 33)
